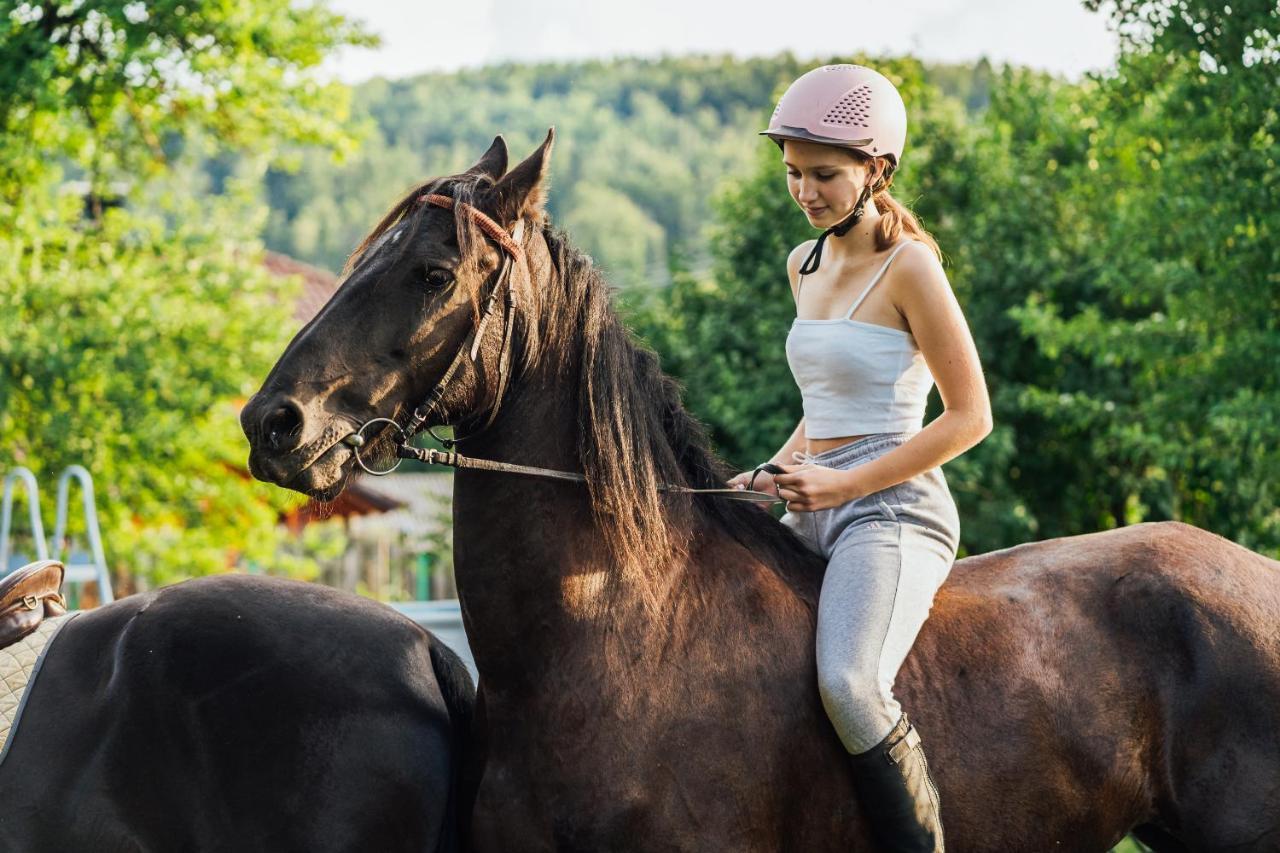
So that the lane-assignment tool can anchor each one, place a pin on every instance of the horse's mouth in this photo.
(323, 478)
(329, 472)
(327, 476)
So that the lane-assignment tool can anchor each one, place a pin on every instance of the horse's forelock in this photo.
(468, 188)
(410, 208)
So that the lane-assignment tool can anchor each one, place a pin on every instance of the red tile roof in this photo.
(317, 284)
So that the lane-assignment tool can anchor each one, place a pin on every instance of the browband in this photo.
(487, 225)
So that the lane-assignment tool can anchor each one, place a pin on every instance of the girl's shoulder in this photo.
(796, 259)
(912, 260)
(798, 254)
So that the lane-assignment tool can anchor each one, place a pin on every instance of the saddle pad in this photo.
(19, 665)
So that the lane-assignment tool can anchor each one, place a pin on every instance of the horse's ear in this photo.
(493, 162)
(522, 191)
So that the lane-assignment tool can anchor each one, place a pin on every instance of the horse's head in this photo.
(414, 293)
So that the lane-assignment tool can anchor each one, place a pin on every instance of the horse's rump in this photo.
(1134, 657)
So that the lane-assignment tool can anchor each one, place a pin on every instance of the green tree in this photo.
(1175, 397)
(130, 326)
(105, 84)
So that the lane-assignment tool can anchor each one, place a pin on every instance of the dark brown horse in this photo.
(646, 657)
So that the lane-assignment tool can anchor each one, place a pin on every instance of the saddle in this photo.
(27, 596)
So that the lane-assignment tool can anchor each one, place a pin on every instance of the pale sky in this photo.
(431, 35)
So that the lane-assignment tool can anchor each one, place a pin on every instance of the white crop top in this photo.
(857, 378)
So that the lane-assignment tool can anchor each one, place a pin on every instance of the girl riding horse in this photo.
(868, 492)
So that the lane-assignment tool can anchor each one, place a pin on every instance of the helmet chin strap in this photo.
(841, 228)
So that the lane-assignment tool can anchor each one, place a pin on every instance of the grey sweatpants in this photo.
(887, 553)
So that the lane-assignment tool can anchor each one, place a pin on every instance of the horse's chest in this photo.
(642, 810)
(624, 785)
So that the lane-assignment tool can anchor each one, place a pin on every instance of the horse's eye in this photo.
(439, 278)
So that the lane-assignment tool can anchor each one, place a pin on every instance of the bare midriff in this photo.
(821, 445)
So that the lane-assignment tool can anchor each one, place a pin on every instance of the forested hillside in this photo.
(642, 147)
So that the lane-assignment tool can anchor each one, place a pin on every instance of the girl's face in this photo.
(824, 180)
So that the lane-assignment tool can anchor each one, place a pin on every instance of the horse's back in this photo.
(1166, 590)
(235, 712)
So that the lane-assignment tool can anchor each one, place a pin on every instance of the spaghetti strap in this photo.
(867, 290)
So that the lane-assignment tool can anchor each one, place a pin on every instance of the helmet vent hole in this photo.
(854, 107)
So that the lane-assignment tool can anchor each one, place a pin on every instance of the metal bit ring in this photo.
(356, 441)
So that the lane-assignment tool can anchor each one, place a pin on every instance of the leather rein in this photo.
(513, 254)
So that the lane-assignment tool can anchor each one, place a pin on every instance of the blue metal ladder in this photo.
(95, 570)
(28, 480)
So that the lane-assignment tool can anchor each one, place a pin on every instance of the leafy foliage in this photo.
(135, 315)
(108, 82)
(1175, 401)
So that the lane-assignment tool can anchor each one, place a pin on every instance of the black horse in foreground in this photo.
(239, 713)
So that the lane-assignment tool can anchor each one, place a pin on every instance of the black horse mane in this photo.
(634, 432)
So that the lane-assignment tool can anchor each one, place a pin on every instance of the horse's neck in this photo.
(551, 620)
(530, 567)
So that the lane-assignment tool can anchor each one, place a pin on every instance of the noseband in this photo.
(513, 254)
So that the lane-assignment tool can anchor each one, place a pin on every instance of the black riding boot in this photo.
(897, 794)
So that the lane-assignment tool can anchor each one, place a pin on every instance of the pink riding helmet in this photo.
(851, 106)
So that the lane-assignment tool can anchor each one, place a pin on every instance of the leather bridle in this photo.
(513, 254)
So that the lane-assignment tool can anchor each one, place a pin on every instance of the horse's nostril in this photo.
(283, 426)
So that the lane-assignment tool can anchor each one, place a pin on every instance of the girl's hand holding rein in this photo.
(763, 482)
(809, 487)
(805, 486)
